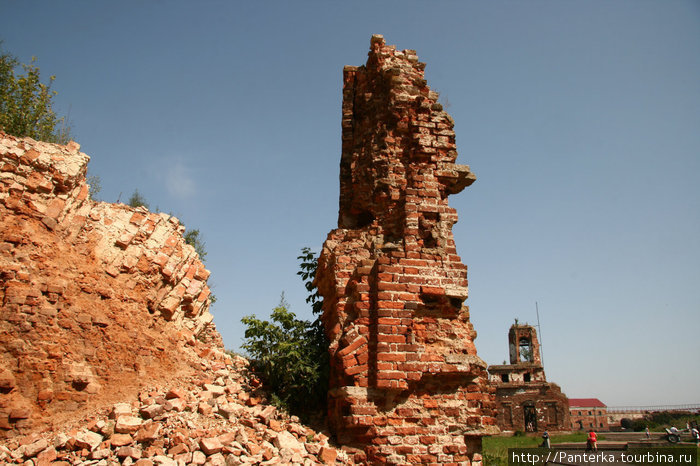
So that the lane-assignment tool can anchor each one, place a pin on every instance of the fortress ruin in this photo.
(406, 383)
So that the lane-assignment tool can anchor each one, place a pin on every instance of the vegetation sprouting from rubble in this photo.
(289, 353)
(26, 104)
(137, 200)
(192, 236)
(194, 239)
(26, 110)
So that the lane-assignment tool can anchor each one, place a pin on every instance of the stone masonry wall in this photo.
(96, 299)
(406, 382)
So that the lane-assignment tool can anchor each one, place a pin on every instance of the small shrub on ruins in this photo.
(292, 354)
(193, 238)
(26, 104)
(95, 183)
(137, 200)
(283, 351)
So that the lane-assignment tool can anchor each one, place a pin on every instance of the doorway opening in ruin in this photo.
(530, 418)
(525, 347)
(507, 414)
(552, 417)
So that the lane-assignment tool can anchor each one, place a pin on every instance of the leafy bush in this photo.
(660, 420)
(291, 354)
(639, 425)
(289, 360)
(26, 103)
(193, 238)
(137, 200)
(95, 183)
(664, 419)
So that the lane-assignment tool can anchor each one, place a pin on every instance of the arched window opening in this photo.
(525, 350)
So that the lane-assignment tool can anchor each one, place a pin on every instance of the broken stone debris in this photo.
(95, 298)
(129, 434)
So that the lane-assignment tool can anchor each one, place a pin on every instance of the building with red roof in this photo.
(588, 413)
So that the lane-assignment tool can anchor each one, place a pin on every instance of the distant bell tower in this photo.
(525, 400)
(524, 347)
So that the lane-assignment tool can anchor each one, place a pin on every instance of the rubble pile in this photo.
(108, 352)
(96, 299)
(216, 417)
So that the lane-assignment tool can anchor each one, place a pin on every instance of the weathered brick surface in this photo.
(94, 297)
(407, 384)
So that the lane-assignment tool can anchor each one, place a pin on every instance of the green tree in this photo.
(137, 200)
(317, 334)
(26, 104)
(291, 354)
(193, 238)
(95, 183)
(307, 272)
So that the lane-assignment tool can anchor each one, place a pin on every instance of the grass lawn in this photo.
(495, 449)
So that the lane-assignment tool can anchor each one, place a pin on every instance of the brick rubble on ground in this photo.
(218, 419)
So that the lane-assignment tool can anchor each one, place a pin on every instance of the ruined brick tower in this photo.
(524, 399)
(523, 345)
(406, 382)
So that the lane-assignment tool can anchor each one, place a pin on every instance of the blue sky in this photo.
(581, 120)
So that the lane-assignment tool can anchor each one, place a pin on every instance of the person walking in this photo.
(545, 440)
(592, 443)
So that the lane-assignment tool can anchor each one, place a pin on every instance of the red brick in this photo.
(395, 375)
(395, 180)
(432, 290)
(391, 357)
(390, 286)
(352, 346)
(391, 338)
(359, 369)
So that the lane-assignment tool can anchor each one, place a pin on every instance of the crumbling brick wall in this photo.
(406, 382)
(95, 298)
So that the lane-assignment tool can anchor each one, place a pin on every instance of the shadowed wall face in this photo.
(407, 384)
